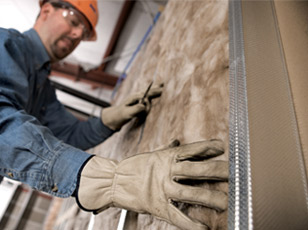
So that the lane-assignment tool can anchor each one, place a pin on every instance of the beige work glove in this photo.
(149, 182)
(115, 117)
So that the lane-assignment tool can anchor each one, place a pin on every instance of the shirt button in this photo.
(55, 188)
(10, 174)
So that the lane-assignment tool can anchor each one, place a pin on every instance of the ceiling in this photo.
(93, 69)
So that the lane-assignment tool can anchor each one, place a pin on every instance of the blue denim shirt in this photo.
(37, 134)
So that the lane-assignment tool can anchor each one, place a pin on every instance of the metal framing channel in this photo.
(80, 95)
(240, 210)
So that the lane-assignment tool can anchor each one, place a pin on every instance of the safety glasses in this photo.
(74, 19)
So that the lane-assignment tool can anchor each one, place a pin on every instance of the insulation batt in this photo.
(188, 50)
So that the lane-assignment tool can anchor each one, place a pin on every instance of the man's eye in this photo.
(75, 22)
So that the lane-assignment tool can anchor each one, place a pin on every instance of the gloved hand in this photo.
(149, 182)
(115, 117)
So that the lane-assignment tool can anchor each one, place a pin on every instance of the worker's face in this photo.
(62, 31)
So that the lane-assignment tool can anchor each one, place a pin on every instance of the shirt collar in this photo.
(40, 55)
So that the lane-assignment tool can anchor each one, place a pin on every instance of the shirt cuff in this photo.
(67, 162)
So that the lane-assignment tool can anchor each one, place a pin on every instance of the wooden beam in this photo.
(96, 78)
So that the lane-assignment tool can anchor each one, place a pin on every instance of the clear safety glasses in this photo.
(74, 19)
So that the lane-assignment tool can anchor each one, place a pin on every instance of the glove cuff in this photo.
(94, 191)
(108, 116)
(79, 175)
(75, 194)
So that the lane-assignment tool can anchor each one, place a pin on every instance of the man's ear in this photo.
(46, 9)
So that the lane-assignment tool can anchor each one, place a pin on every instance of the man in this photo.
(42, 144)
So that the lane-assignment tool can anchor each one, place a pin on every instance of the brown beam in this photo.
(96, 78)
(93, 84)
(123, 17)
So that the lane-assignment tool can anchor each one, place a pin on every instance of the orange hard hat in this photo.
(87, 7)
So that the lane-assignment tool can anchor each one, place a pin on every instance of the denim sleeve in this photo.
(29, 152)
(65, 126)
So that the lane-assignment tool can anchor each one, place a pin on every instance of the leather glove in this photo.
(150, 182)
(115, 117)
